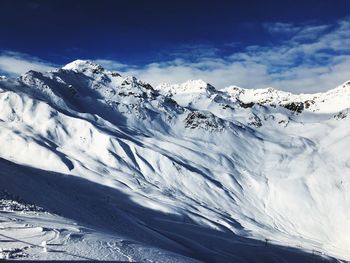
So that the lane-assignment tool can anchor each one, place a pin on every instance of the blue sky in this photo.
(299, 46)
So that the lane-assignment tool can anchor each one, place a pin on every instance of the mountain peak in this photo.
(195, 85)
(190, 86)
(83, 65)
(195, 82)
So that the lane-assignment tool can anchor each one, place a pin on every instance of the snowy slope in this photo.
(178, 173)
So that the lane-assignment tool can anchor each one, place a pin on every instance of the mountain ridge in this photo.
(204, 174)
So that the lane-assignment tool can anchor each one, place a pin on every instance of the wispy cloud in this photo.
(311, 58)
(15, 63)
(296, 32)
(308, 33)
(281, 28)
(111, 64)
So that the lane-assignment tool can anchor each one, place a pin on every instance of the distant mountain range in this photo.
(95, 165)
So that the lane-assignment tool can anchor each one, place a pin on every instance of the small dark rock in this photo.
(295, 106)
(246, 105)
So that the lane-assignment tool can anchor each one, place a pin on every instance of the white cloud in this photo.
(112, 64)
(281, 28)
(310, 32)
(14, 63)
(316, 58)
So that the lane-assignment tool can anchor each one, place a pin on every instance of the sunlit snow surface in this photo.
(95, 165)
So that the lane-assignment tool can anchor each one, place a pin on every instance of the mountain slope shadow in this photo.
(110, 211)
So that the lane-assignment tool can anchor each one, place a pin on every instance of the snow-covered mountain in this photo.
(95, 165)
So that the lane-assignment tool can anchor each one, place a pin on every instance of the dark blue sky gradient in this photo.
(140, 32)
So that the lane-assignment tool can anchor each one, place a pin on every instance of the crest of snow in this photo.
(331, 101)
(82, 65)
(190, 86)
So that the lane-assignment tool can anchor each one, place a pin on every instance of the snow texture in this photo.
(98, 166)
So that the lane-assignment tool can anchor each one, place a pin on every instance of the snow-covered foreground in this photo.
(99, 166)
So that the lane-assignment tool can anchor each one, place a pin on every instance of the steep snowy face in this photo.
(86, 87)
(186, 92)
(178, 172)
(83, 66)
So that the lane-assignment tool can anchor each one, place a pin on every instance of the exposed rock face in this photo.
(342, 114)
(204, 120)
(295, 106)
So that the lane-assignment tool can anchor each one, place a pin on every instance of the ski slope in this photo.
(98, 166)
